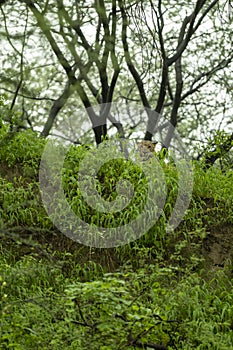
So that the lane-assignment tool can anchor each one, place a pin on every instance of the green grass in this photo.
(58, 294)
(43, 309)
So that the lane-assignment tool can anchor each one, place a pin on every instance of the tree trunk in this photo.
(56, 107)
(100, 133)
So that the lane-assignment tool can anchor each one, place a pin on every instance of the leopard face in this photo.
(146, 148)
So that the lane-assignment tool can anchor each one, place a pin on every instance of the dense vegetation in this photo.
(163, 291)
(160, 70)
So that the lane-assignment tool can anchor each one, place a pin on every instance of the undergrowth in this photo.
(56, 293)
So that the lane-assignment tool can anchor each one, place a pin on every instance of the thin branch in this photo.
(129, 62)
(75, 142)
(45, 27)
(192, 29)
(29, 97)
(21, 54)
(208, 75)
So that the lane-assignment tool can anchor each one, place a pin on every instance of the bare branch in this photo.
(129, 62)
(208, 75)
(56, 107)
(44, 26)
(192, 29)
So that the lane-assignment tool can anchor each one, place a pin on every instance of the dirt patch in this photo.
(26, 173)
(9, 173)
(218, 247)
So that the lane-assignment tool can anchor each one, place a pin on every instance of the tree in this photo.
(170, 57)
(179, 83)
(70, 31)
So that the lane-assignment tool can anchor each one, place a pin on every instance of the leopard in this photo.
(146, 149)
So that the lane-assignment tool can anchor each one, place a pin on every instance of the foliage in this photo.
(20, 201)
(119, 311)
(107, 176)
(23, 148)
(160, 291)
(214, 185)
(63, 54)
(218, 151)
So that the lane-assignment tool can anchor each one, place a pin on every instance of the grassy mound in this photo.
(169, 290)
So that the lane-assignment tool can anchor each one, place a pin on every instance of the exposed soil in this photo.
(9, 173)
(218, 246)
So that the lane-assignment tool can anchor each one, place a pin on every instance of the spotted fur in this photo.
(146, 148)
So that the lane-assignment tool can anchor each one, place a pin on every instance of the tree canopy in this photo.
(172, 58)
